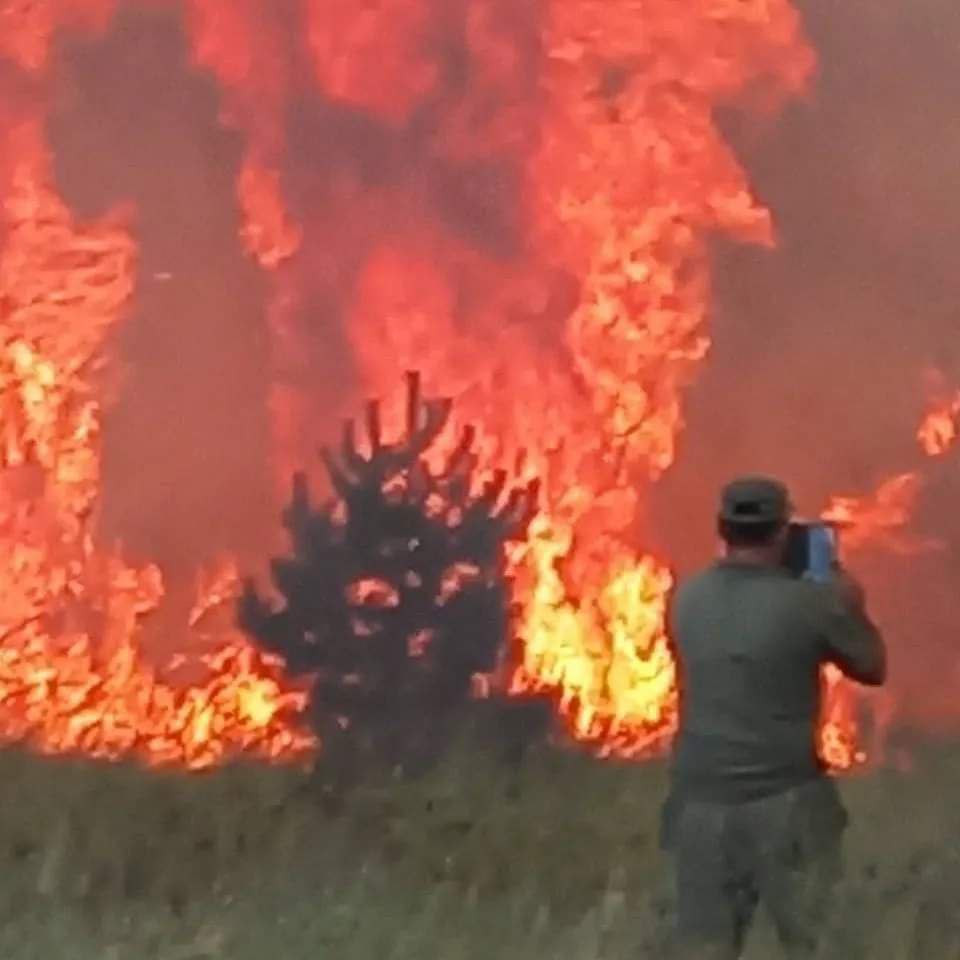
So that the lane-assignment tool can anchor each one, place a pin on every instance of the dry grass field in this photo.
(560, 862)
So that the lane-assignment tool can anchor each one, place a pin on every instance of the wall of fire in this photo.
(226, 221)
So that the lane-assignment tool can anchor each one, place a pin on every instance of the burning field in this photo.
(224, 223)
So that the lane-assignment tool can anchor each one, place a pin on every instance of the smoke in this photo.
(821, 346)
(185, 460)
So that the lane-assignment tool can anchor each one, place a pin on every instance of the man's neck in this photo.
(754, 556)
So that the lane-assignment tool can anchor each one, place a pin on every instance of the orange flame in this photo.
(580, 359)
(60, 699)
(877, 521)
(562, 300)
(938, 431)
(71, 674)
(838, 743)
(881, 519)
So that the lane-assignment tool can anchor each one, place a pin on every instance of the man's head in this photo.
(753, 517)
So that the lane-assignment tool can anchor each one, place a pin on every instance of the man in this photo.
(752, 815)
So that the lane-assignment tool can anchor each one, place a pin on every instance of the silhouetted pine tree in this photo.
(395, 594)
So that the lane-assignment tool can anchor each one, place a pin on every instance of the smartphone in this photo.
(812, 550)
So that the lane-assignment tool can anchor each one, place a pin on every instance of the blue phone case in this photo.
(812, 550)
(821, 551)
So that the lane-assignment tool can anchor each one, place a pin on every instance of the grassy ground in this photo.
(108, 863)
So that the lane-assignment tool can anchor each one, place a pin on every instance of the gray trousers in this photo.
(782, 851)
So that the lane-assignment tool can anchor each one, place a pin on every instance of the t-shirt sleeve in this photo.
(851, 640)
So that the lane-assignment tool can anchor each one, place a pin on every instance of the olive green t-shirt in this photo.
(750, 641)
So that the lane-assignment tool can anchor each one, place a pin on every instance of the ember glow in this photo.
(514, 199)
(938, 431)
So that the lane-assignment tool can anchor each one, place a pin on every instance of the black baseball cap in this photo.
(748, 500)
